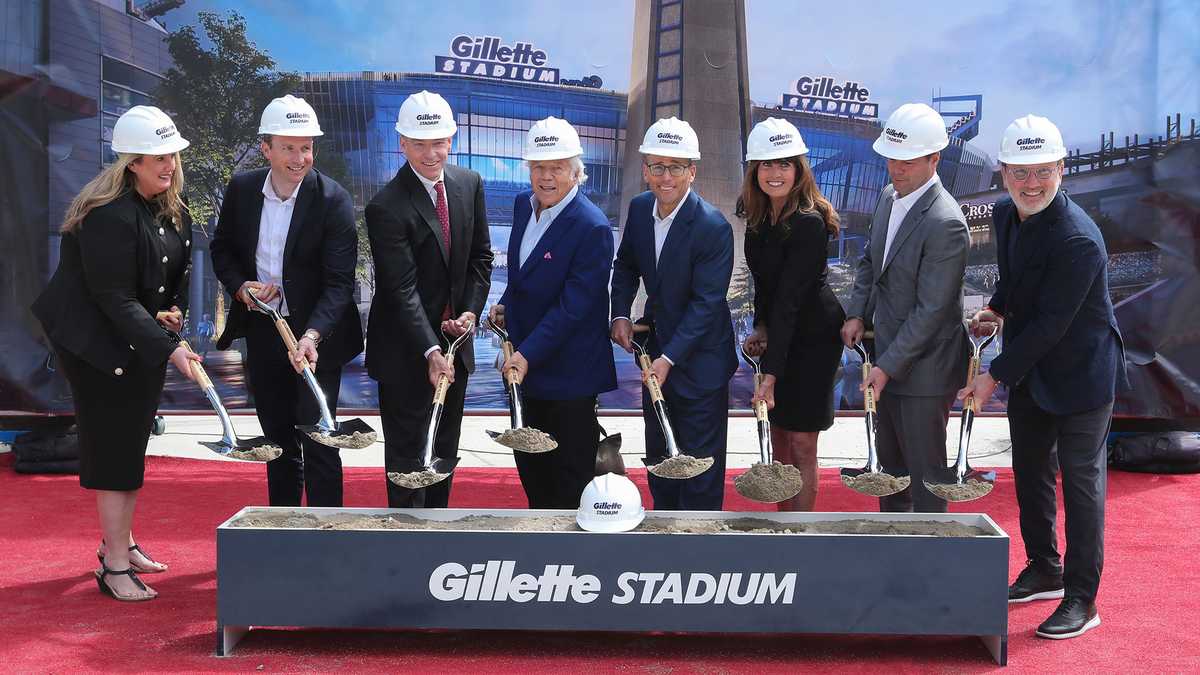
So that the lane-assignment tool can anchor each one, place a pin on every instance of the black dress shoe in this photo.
(1034, 583)
(1073, 617)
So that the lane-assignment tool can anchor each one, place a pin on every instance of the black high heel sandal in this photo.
(140, 569)
(107, 590)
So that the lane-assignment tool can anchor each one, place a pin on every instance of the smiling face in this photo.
(776, 178)
(426, 156)
(667, 188)
(1032, 186)
(290, 157)
(552, 180)
(153, 173)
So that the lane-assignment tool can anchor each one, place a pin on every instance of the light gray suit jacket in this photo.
(914, 298)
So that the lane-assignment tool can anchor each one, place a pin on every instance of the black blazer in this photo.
(414, 278)
(110, 282)
(791, 297)
(1060, 334)
(320, 253)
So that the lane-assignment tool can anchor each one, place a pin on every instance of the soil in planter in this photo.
(960, 492)
(416, 479)
(877, 484)
(259, 453)
(352, 441)
(769, 483)
(681, 466)
(527, 439)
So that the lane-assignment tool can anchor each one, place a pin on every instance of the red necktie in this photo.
(443, 214)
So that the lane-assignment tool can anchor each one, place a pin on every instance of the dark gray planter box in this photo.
(464, 579)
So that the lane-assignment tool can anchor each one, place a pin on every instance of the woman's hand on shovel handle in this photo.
(765, 392)
(182, 359)
(171, 319)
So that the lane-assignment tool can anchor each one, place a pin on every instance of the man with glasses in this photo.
(1063, 362)
(681, 248)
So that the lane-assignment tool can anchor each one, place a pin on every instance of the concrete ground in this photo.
(841, 445)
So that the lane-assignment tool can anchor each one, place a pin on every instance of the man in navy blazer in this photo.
(555, 308)
(1063, 363)
(681, 248)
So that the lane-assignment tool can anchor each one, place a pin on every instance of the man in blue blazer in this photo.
(681, 248)
(555, 308)
(1063, 363)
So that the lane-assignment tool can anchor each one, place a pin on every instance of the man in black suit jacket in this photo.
(1063, 363)
(433, 264)
(286, 234)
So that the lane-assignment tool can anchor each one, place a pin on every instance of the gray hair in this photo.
(578, 171)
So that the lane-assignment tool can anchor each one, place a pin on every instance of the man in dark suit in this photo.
(681, 248)
(909, 287)
(433, 264)
(286, 234)
(555, 309)
(1063, 363)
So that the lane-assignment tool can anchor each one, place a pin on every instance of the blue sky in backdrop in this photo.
(1092, 66)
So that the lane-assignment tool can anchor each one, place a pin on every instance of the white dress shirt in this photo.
(662, 226)
(900, 208)
(431, 188)
(273, 226)
(537, 225)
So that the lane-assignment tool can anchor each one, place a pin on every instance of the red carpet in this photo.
(52, 619)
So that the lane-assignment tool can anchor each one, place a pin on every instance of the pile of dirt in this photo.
(259, 453)
(876, 484)
(769, 483)
(527, 439)
(416, 479)
(972, 488)
(681, 466)
(352, 441)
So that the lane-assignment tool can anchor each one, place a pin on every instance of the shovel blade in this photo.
(351, 434)
(245, 445)
(874, 484)
(974, 485)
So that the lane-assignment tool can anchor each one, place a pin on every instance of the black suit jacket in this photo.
(319, 257)
(415, 278)
(1060, 335)
(791, 297)
(110, 282)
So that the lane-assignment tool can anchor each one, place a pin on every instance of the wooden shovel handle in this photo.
(510, 375)
(289, 339)
(439, 392)
(760, 407)
(869, 393)
(972, 373)
(197, 370)
(652, 381)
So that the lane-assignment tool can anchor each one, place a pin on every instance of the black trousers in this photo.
(283, 400)
(404, 410)
(556, 479)
(701, 428)
(911, 436)
(1044, 443)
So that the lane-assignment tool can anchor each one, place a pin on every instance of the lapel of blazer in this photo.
(561, 224)
(304, 199)
(253, 220)
(460, 231)
(521, 212)
(680, 230)
(419, 198)
(883, 213)
(911, 221)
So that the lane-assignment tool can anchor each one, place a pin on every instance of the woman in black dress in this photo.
(797, 318)
(112, 313)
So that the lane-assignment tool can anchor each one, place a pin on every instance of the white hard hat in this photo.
(289, 116)
(610, 503)
(671, 137)
(774, 138)
(913, 131)
(146, 130)
(426, 115)
(1032, 140)
(551, 138)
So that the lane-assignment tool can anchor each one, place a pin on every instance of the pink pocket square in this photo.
(547, 256)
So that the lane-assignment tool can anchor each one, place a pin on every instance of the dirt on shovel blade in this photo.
(416, 479)
(527, 439)
(352, 441)
(769, 483)
(877, 484)
(681, 466)
(259, 453)
(960, 492)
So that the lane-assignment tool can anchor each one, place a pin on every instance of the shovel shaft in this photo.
(651, 381)
(228, 436)
(510, 375)
(435, 419)
(327, 422)
(516, 406)
(765, 450)
(439, 393)
(660, 411)
(964, 442)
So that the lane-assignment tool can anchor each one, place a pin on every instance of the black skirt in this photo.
(113, 414)
(804, 391)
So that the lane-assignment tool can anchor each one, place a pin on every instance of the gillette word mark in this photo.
(498, 581)
(488, 56)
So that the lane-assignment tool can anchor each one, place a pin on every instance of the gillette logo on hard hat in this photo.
(545, 140)
(896, 135)
(165, 132)
(1030, 143)
(670, 138)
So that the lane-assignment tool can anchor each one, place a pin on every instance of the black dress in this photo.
(122, 266)
(802, 317)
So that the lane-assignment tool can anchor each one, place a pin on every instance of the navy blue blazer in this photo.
(685, 292)
(556, 304)
(1060, 334)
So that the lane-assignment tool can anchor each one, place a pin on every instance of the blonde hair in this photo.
(115, 180)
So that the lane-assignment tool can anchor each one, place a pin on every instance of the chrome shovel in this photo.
(257, 449)
(677, 465)
(871, 479)
(765, 482)
(527, 439)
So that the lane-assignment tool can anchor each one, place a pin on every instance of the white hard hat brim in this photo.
(779, 153)
(1037, 158)
(885, 148)
(169, 148)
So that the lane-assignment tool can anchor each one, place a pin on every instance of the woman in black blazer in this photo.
(797, 318)
(112, 311)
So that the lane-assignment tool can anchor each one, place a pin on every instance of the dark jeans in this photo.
(1044, 443)
(556, 479)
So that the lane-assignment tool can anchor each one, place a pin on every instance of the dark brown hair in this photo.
(805, 197)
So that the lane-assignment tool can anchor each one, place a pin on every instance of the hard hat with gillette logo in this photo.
(913, 131)
(551, 138)
(1032, 140)
(774, 138)
(425, 116)
(671, 137)
(610, 503)
(146, 130)
(289, 116)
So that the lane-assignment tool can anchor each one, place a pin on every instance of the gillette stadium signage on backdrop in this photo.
(824, 95)
(488, 56)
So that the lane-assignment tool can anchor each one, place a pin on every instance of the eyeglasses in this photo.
(1044, 173)
(675, 169)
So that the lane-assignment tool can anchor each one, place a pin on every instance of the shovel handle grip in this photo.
(972, 373)
(439, 392)
(197, 370)
(869, 392)
(760, 407)
(652, 381)
(289, 340)
(510, 375)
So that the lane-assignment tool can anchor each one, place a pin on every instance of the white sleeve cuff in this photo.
(669, 360)
(618, 318)
(432, 350)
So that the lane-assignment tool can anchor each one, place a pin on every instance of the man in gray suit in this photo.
(909, 286)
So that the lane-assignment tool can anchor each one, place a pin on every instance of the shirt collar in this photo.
(911, 198)
(553, 211)
(269, 191)
(429, 184)
(670, 217)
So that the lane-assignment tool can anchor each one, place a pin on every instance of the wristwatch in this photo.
(312, 335)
